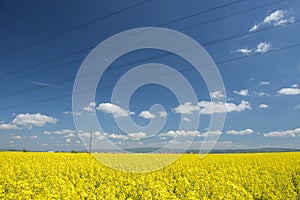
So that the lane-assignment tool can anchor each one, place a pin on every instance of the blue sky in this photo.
(37, 78)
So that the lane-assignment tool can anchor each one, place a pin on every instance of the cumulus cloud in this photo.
(99, 136)
(263, 47)
(283, 22)
(163, 114)
(289, 91)
(294, 85)
(242, 92)
(264, 82)
(69, 135)
(90, 107)
(263, 105)
(116, 136)
(30, 120)
(276, 18)
(180, 133)
(9, 127)
(130, 136)
(60, 132)
(217, 94)
(186, 108)
(33, 137)
(208, 107)
(16, 137)
(210, 133)
(72, 113)
(254, 27)
(260, 94)
(186, 119)
(147, 115)
(184, 133)
(240, 132)
(115, 110)
(137, 136)
(286, 133)
(68, 140)
(245, 51)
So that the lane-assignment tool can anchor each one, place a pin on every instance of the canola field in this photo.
(216, 176)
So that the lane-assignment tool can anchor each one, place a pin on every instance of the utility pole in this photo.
(91, 138)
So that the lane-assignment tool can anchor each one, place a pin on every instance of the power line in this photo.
(176, 20)
(231, 15)
(201, 12)
(73, 28)
(188, 69)
(47, 61)
(142, 60)
(43, 70)
(91, 47)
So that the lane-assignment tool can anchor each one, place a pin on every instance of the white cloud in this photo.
(72, 113)
(131, 136)
(263, 105)
(240, 132)
(274, 16)
(186, 119)
(116, 136)
(242, 92)
(297, 107)
(69, 135)
(287, 133)
(245, 51)
(31, 120)
(68, 140)
(115, 110)
(90, 107)
(183, 133)
(289, 91)
(283, 22)
(217, 94)
(295, 85)
(254, 27)
(96, 134)
(163, 114)
(60, 132)
(263, 47)
(210, 133)
(208, 107)
(137, 136)
(17, 137)
(264, 82)
(260, 94)
(33, 137)
(180, 133)
(9, 127)
(147, 115)
(186, 108)
(100, 137)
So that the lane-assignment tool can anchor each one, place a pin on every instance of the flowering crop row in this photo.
(81, 176)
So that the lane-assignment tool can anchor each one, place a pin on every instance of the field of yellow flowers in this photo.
(81, 176)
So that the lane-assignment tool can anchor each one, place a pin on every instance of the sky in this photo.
(254, 44)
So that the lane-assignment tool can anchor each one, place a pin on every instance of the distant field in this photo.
(218, 176)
